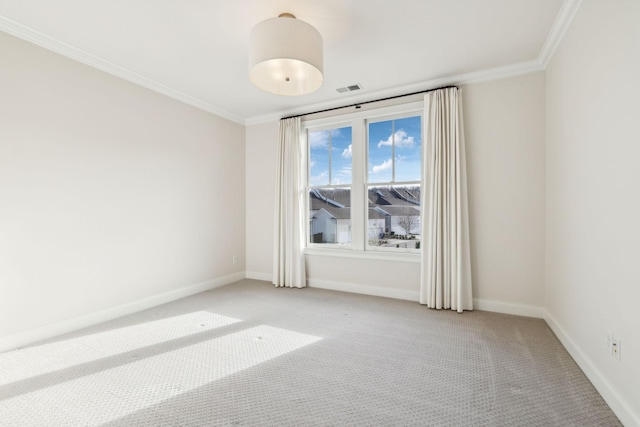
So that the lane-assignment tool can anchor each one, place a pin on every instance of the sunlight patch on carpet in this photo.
(45, 358)
(117, 392)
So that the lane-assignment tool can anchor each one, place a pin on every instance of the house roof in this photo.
(401, 210)
(394, 196)
(317, 204)
(388, 201)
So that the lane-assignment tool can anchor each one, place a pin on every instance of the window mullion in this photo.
(330, 163)
(358, 174)
(393, 151)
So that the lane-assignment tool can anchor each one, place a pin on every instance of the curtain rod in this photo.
(359, 104)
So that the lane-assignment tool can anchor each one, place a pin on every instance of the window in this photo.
(393, 185)
(329, 189)
(364, 180)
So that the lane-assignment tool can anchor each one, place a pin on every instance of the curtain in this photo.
(288, 257)
(445, 272)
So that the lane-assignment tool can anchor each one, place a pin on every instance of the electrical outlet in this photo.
(616, 346)
(234, 259)
(609, 342)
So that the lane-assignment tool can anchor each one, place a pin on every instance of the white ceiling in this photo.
(196, 50)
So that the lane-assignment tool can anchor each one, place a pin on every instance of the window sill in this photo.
(372, 255)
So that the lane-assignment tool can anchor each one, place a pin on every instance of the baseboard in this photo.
(508, 308)
(345, 287)
(623, 410)
(363, 289)
(30, 336)
(259, 276)
(356, 288)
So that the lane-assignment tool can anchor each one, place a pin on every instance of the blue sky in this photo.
(340, 142)
(404, 134)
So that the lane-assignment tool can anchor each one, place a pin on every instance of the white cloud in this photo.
(347, 153)
(344, 172)
(312, 164)
(384, 166)
(320, 178)
(320, 139)
(338, 177)
(401, 139)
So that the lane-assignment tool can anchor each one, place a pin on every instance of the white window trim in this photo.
(344, 252)
(358, 120)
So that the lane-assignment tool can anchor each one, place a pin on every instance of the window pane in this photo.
(393, 219)
(318, 157)
(395, 150)
(380, 151)
(330, 157)
(340, 156)
(407, 144)
(330, 215)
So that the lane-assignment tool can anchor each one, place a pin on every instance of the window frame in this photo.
(308, 186)
(358, 121)
(393, 183)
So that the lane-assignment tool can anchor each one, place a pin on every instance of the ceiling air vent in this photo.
(350, 88)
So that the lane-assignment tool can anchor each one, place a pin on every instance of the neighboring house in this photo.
(392, 210)
(326, 228)
(330, 219)
(401, 205)
(403, 219)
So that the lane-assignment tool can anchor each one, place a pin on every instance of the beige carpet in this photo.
(249, 354)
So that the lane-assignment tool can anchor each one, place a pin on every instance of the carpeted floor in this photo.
(249, 354)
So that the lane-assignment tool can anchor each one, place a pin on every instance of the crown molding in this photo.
(563, 20)
(459, 79)
(36, 37)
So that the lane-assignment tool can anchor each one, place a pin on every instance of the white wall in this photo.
(109, 193)
(505, 145)
(504, 127)
(261, 155)
(593, 197)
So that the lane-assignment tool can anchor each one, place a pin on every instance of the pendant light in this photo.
(285, 56)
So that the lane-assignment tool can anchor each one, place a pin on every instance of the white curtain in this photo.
(445, 272)
(288, 257)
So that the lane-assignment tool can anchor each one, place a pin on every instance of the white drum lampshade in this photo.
(285, 56)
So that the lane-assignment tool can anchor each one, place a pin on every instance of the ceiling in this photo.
(197, 50)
